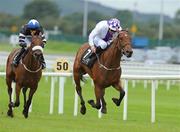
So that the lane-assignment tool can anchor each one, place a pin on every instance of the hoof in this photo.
(25, 114)
(91, 102)
(16, 104)
(11, 104)
(10, 113)
(116, 101)
(104, 110)
(83, 110)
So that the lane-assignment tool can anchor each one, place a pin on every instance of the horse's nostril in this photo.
(35, 54)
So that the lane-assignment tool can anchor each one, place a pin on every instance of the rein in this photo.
(29, 69)
(106, 68)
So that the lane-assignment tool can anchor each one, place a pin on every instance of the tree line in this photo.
(49, 15)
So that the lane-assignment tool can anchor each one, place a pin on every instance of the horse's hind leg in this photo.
(10, 105)
(28, 103)
(24, 89)
(118, 87)
(18, 89)
(79, 92)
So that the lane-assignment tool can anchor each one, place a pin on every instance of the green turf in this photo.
(139, 111)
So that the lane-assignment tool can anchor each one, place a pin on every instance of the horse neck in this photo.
(30, 62)
(112, 56)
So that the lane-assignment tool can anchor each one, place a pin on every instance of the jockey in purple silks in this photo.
(31, 28)
(101, 37)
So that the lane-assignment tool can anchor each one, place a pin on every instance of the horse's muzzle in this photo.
(37, 55)
(128, 53)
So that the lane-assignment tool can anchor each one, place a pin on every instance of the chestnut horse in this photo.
(105, 72)
(26, 75)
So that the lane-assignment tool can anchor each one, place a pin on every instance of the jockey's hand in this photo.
(93, 49)
(43, 44)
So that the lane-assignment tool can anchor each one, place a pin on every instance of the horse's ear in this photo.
(40, 34)
(33, 34)
(127, 29)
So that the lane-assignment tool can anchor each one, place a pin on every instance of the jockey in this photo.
(101, 37)
(29, 29)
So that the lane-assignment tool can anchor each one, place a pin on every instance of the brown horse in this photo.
(105, 72)
(26, 75)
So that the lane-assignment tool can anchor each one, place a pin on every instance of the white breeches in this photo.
(100, 42)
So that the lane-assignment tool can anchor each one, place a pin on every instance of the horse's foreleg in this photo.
(24, 94)
(10, 111)
(103, 109)
(118, 87)
(99, 93)
(28, 103)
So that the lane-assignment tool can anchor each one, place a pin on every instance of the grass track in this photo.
(167, 111)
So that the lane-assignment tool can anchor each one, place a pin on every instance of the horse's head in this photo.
(124, 43)
(36, 47)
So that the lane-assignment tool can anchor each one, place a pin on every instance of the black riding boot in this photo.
(43, 62)
(89, 57)
(99, 50)
(17, 58)
(86, 57)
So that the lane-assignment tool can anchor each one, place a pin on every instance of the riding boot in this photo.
(17, 58)
(93, 56)
(43, 62)
(99, 50)
(86, 56)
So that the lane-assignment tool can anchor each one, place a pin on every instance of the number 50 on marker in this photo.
(61, 65)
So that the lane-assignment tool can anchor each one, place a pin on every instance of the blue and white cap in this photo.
(33, 24)
(114, 24)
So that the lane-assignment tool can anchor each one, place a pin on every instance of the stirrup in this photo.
(85, 61)
(15, 63)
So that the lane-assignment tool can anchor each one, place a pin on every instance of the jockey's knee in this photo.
(103, 44)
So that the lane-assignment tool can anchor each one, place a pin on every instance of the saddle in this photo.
(89, 58)
(19, 54)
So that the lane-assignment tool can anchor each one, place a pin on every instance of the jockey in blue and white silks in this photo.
(33, 27)
(104, 33)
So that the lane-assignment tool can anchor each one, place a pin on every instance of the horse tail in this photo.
(82, 78)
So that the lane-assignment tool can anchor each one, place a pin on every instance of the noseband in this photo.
(25, 67)
(32, 71)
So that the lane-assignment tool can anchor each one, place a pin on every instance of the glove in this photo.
(43, 44)
(109, 42)
(93, 49)
(23, 44)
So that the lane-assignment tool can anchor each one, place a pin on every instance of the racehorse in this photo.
(105, 72)
(26, 75)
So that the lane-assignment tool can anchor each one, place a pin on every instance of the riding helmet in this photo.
(33, 24)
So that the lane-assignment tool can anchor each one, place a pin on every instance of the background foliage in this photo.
(49, 14)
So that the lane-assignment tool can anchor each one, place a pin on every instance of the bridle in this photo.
(114, 68)
(25, 67)
(106, 68)
(32, 71)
